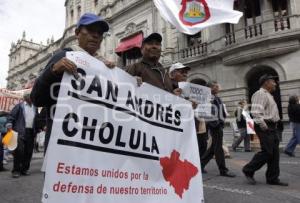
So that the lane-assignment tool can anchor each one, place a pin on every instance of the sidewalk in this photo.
(35, 155)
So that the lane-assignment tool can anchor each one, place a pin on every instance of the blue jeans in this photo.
(295, 138)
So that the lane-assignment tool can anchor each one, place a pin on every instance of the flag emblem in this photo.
(194, 12)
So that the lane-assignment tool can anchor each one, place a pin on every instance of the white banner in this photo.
(199, 94)
(112, 141)
(191, 16)
(249, 122)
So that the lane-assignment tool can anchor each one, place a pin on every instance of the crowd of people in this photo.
(25, 119)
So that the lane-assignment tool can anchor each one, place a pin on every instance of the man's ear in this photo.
(77, 30)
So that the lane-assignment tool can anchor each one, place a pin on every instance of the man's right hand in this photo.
(177, 91)
(64, 64)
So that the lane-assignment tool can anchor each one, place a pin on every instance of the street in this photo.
(28, 189)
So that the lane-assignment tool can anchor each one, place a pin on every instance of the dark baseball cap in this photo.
(266, 77)
(90, 18)
(153, 37)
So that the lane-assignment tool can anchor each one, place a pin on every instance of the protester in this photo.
(265, 113)
(224, 146)
(22, 120)
(149, 69)
(178, 73)
(41, 120)
(294, 116)
(215, 126)
(3, 130)
(89, 33)
(242, 126)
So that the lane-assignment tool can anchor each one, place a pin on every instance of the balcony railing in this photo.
(229, 38)
(253, 30)
(195, 50)
(282, 23)
(243, 35)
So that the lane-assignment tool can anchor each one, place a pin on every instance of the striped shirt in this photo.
(264, 107)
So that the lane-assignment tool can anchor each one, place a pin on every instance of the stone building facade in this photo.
(266, 40)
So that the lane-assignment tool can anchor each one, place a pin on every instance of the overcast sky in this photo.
(40, 19)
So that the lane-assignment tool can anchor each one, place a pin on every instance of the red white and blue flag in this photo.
(191, 16)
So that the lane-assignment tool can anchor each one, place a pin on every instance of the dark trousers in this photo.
(215, 149)
(202, 143)
(23, 153)
(269, 154)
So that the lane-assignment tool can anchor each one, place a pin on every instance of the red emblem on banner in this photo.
(194, 12)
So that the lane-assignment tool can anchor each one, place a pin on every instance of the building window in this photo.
(281, 19)
(131, 56)
(252, 8)
(195, 39)
(71, 15)
(229, 34)
(78, 11)
(280, 7)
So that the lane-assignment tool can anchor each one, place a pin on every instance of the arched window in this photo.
(199, 81)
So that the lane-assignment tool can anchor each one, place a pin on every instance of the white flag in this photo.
(191, 16)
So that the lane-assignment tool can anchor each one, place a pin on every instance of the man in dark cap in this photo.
(149, 69)
(89, 33)
(265, 114)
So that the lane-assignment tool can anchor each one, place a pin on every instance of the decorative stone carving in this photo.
(130, 28)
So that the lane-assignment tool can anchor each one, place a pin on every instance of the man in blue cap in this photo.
(89, 33)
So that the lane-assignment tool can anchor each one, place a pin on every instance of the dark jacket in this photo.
(3, 129)
(294, 113)
(40, 94)
(240, 120)
(17, 119)
(151, 73)
(218, 113)
(41, 91)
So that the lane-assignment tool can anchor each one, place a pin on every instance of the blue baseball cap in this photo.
(90, 18)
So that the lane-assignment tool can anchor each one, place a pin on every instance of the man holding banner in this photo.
(89, 33)
(149, 69)
(178, 74)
